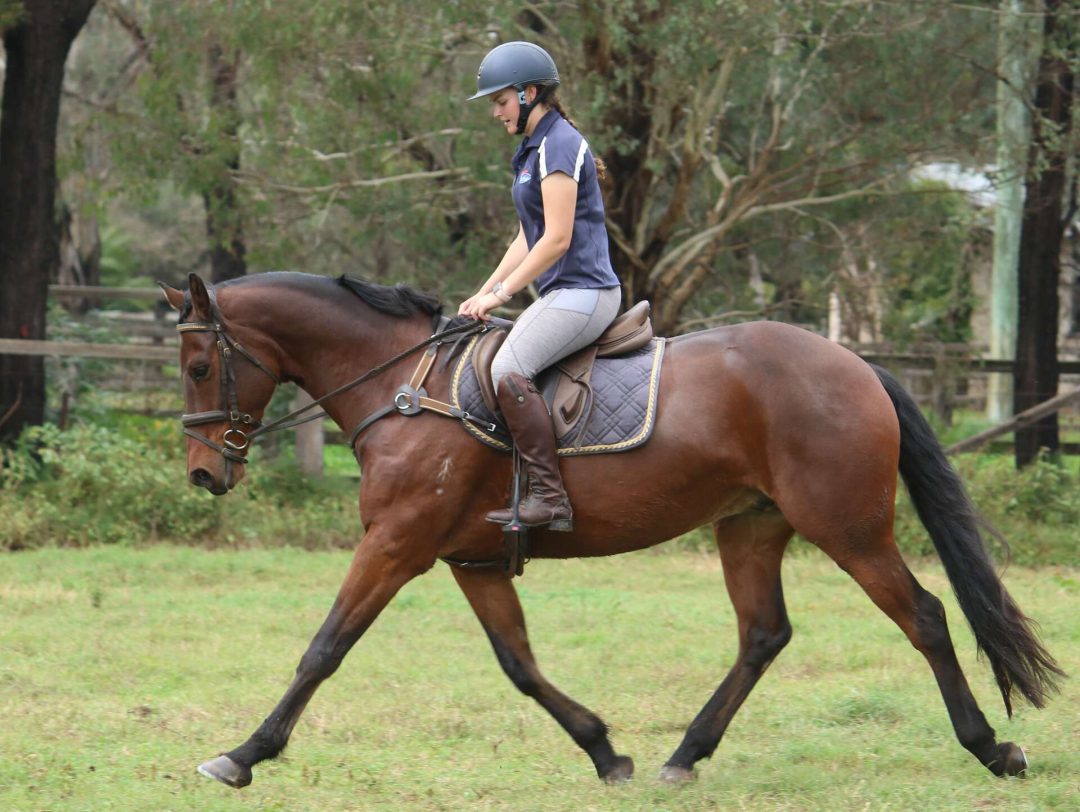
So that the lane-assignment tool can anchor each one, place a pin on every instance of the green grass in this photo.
(122, 669)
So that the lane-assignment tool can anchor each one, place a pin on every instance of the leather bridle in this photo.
(243, 428)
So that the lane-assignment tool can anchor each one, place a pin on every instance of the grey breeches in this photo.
(559, 323)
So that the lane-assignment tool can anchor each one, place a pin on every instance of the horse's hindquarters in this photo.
(761, 417)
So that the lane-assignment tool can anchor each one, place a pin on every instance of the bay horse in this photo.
(763, 430)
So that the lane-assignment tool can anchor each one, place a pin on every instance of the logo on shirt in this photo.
(525, 176)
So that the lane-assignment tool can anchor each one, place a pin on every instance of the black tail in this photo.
(1017, 657)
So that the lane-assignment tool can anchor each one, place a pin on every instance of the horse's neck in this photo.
(330, 352)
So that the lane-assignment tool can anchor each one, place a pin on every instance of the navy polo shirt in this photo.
(555, 146)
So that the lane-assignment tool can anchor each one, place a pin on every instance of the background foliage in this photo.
(760, 152)
(122, 481)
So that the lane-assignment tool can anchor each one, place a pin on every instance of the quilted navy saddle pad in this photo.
(620, 415)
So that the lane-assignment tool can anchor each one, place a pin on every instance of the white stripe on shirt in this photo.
(580, 160)
(543, 159)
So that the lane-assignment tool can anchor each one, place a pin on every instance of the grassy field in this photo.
(122, 669)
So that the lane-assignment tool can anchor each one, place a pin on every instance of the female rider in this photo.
(562, 246)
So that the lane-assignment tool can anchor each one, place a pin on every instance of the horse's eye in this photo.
(200, 372)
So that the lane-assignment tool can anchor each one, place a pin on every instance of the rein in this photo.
(243, 428)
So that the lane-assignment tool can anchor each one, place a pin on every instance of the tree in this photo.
(224, 223)
(198, 103)
(717, 115)
(1044, 221)
(311, 139)
(36, 46)
(734, 134)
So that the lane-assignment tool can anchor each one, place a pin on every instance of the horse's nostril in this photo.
(201, 478)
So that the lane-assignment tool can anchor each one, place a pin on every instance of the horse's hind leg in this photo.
(495, 601)
(751, 548)
(875, 563)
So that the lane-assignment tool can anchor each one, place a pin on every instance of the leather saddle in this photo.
(567, 391)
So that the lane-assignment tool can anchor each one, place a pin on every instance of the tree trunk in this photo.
(224, 223)
(629, 176)
(1036, 375)
(80, 258)
(36, 50)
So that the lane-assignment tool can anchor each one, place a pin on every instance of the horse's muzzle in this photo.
(201, 478)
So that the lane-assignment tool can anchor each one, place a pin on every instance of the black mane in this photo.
(399, 300)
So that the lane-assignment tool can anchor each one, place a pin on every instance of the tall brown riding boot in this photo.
(530, 425)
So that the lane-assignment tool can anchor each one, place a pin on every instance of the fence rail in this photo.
(952, 362)
(167, 352)
(154, 334)
(95, 292)
(120, 352)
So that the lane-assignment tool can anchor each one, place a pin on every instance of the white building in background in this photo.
(979, 187)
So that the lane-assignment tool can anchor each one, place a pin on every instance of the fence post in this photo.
(309, 440)
(942, 386)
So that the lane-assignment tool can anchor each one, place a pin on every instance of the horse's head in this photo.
(226, 388)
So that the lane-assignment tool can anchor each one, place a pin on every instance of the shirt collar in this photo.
(542, 126)
(538, 134)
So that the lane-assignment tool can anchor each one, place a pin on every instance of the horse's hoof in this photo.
(677, 775)
(622, 771)
(227, 771)
(1011, 760)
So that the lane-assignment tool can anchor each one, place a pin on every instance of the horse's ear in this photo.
(200, 299)
(174, 297)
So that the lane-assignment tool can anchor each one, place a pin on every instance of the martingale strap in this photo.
(411, 399)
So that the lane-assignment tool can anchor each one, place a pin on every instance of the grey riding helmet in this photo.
(517, 65)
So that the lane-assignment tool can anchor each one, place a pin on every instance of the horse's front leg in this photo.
(496, 604)
(381, 566)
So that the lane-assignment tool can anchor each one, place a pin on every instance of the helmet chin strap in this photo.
(525, 108)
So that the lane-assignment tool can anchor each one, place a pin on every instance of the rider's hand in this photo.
(479, 306)
(468, 305)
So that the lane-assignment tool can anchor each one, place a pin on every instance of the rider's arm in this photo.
(559, 192)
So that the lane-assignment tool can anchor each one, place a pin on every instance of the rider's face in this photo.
(506, 108)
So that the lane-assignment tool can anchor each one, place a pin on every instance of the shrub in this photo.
(123, 482)
(91, 485)
(126, 484)
(1035, 509)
